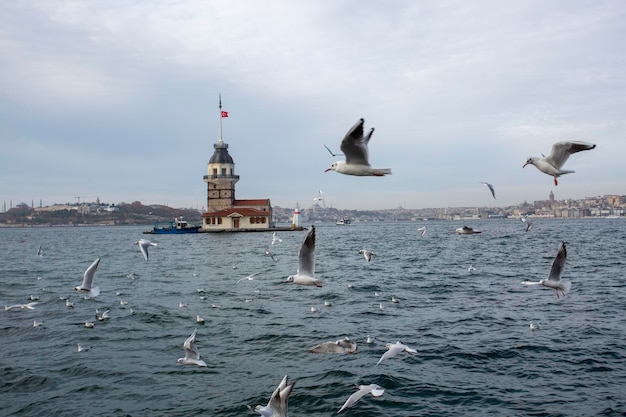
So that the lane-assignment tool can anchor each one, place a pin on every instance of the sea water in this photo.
(476, 354)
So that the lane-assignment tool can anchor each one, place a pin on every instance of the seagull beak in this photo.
(526, 163)
(327, 169)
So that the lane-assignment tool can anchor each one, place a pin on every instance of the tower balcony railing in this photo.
(221, 177)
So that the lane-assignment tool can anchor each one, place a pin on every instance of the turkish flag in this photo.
(224, 114)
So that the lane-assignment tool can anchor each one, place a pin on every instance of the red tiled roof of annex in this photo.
(252, 202)
(243, 211)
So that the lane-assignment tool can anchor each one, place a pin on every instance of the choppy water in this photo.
(476, 354)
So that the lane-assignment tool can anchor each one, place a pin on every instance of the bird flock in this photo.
(355, 148)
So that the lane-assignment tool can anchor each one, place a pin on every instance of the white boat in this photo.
(344, 221)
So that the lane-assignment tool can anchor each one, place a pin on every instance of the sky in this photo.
(119, 99)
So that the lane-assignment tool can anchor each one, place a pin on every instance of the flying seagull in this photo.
(305, 275)
(87, 285)
(493, 192)
(367, 254)
(354, 147)
(144, 244)
(552, 163)
(192, 354)
(278, 403)
(529, 224)
(395, 349)
(374, 389)
(554, 279)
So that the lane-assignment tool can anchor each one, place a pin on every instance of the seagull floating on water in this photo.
(471, 268)
(102, 317)
(367, 254)
(354, 147)
(561, 151)
(493, 192)
(87, 285)
(278, 405)
(554, 279)
(374, 389)
(192, 354)
(37, 323)
(144, 244)
(533, 326)
(395, 349)
(344, 345)
(305, 275)
(80, 348)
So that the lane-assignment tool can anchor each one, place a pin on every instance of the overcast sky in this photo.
(119, 99)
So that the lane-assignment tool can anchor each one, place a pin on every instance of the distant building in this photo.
(224, 211)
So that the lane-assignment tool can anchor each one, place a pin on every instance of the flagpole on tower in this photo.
(220, 141)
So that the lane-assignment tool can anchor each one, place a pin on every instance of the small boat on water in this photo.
(344, 221)
(467, 231)
(178, 226)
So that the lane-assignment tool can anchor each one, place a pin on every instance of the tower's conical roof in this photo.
(221, 155)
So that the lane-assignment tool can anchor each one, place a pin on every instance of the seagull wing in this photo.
(306, 256)
(493, 192)
(88, 275)
(394, 349)
(562, 150)
(558, 264)
(191, 351)
(354, 145)
(280, 397)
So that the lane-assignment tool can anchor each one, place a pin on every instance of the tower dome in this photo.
(221, 155)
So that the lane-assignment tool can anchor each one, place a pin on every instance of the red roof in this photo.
(243, 211)
(252, 203)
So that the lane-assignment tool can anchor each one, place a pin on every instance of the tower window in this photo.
(224, 171)
(214, 171)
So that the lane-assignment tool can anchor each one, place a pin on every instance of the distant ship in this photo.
(344, 221)
(178, 226)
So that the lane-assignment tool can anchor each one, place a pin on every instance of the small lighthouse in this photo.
(296, 217)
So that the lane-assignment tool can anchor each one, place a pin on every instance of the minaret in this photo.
(221, 178)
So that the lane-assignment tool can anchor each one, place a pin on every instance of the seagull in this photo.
(192, 354)
(33, 297)
(103, 316)
(69, 304)
(318, 198)
(529, 224)
(90, 324)
(423, 230)
(552, 163)
(369, 339)
(471, 268)
(87, 285)
(39, 251)
(270, 254)
(305, 275)
(80, 348)
(37, 323)
(395, 349)
(374, 389)
(278, 403)
(533, 326)
(395, 299)
(331, 152)
(249, 277)
(123, 303)
(275, 238)
(554, 279)
(354, 147)
(367, 254)
(344, 345)
(144, 244)
(199, 319)
(493, 192)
